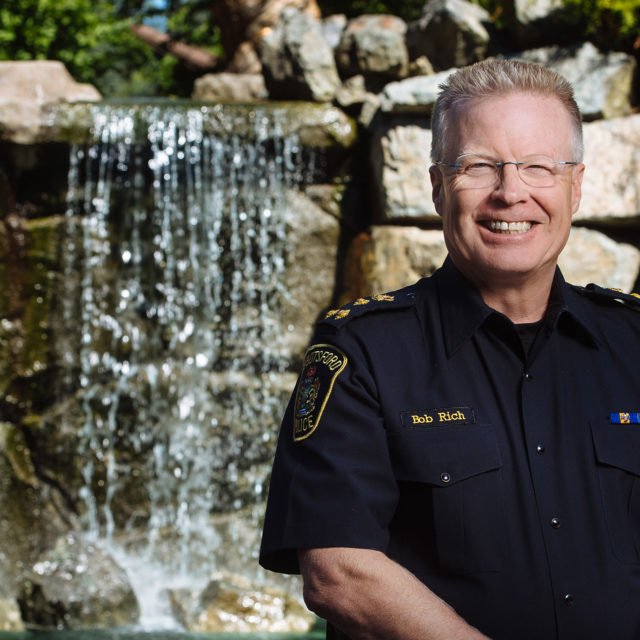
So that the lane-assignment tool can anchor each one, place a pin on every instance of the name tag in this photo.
(438, 417)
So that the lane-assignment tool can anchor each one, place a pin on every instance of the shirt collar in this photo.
(463, 311)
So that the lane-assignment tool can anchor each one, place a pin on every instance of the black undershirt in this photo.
(528, 332)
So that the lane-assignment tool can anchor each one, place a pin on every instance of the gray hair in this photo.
(495, 77)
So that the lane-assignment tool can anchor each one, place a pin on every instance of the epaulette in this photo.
(613, 296)
(395, 300)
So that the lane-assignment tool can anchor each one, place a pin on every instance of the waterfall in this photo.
(173, 281)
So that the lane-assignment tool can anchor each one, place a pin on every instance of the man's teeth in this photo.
(509, 227)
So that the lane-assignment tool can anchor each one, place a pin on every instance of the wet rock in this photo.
(230, 87)
(28, 90)
(232, 604)
(374, 46)
(297, 62)
(450, 33)
(75, 585)
(10, 619)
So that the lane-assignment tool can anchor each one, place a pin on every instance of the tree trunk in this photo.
(193, 57)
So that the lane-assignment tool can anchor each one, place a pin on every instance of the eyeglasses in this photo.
(477, 172)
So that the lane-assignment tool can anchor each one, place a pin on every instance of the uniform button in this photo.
(445, 477)
(569, 599)
(555, 523)
(527, 376)
(540, 449)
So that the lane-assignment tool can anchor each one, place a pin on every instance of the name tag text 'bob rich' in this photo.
(438, 417)
(323, 363)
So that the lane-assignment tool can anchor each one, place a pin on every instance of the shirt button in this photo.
(569, 599)
(555, 523)
(527, 376)
(445, 477)
(540, 449)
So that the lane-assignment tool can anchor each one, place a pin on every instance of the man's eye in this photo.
(538, 169)
(478, 167)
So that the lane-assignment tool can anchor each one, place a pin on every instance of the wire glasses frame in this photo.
(474, 171)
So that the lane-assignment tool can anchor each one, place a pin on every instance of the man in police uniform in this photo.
(461, 458)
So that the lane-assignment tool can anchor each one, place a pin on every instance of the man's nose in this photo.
(510, 186)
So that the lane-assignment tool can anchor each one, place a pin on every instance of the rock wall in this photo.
(363, 223)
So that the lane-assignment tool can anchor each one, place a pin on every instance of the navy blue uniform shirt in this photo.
(507, 482)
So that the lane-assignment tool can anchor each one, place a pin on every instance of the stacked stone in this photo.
(387, 72)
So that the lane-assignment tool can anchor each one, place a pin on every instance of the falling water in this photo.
(174, 264)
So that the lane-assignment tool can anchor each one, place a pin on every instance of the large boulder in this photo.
(611, 185)
(400, 157)
(75, 585)
(390, 257)
(28, 90)
(450, 33)
(297, 62)
(592, 256)
(233, 604)
(374, 46)
(602, 81)
(230, 87)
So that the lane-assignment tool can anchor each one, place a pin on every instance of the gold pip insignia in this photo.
(323, 363)
(360, 301)
(383, 297)
(331, 313)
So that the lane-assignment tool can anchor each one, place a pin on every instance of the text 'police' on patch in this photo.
(437, 417)
(323, 363)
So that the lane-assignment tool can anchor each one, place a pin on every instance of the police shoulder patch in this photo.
(613, 296)
(395, 300)
(323, 363)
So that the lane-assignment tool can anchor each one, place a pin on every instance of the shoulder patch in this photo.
(323, 363)
(612, 296)
(395, 300)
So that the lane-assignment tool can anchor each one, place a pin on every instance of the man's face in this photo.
(508, 128)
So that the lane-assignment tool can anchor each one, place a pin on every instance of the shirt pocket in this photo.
(461, 469)
(617, 450)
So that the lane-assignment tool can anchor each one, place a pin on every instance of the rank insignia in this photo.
(360, 301)
(323, 364)
(383, 297)
(623, 417)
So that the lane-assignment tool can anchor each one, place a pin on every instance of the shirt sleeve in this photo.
(332, 483)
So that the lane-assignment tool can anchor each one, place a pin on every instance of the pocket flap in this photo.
(443, 456)
(617, 445)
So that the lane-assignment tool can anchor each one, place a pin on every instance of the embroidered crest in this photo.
(323, 363)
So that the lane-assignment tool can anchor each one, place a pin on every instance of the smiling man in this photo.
(461, 458)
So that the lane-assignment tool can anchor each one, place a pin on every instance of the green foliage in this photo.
(612, 24)
(95, 42)
(44, 29)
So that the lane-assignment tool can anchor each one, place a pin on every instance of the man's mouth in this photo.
(501, 226)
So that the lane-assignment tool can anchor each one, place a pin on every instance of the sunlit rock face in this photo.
(75, 585)
(152, 329)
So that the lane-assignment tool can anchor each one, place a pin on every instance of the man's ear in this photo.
(437, 188)
(576, 187)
